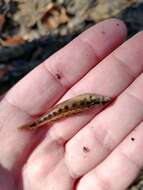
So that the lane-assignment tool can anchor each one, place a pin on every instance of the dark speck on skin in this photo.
(103, 32)
(117, 24)
(58, 76)
(86, 149)
(132, 139)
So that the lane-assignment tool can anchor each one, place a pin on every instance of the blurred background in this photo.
(32, 30)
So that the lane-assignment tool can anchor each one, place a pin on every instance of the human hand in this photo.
(86, 151)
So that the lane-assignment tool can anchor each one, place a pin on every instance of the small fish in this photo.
(69, 107)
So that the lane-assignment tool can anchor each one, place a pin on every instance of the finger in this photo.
(48, 82)
(123, 164)
(95, 141)
(120, 69)
(53, 177)
(43, 87)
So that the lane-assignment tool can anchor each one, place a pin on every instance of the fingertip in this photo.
(119, 25)
(138, 36)
(113, 26)
(108, 34)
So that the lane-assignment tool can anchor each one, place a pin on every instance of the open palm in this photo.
(87, 151)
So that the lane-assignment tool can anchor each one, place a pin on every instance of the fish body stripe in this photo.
(69, 107)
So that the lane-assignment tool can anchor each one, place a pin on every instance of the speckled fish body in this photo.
(69, 107)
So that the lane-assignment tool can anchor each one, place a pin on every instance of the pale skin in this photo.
(87, 151)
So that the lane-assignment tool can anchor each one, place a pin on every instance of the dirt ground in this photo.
(28, 27)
